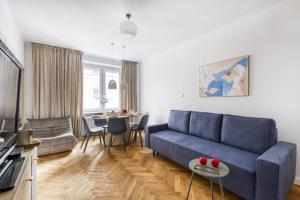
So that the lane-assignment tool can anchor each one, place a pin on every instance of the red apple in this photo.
(203, 160)
(215, 162)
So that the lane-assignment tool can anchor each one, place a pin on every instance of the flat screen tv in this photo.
(10, 79)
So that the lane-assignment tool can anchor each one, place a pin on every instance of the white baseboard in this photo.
(297, 180)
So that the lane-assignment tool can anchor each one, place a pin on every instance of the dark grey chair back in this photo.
(86, 128)
(143, 123)
(116, 125)
(100, 122)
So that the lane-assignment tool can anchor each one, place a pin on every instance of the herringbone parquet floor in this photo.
(134, 175)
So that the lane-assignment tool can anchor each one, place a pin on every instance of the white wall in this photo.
(272, 39)
(9, 32)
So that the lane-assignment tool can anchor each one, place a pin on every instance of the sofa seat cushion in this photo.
(57, 143)
(206, 125)
(58, 139)
(179, 121)
(182, 148)
(249, 133)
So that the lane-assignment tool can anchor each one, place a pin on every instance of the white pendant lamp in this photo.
(128, 27)
(112, 85)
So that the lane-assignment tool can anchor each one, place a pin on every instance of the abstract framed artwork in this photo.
(225, 78)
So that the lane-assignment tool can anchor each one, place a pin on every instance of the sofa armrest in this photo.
(275, 171)
(153, 129)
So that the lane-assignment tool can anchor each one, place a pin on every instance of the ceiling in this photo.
(91, 25)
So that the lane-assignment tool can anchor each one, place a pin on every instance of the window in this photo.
(96, 95)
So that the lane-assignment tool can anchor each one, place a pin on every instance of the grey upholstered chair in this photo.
(116, 126)
(87, 132)
(56, 134)
(138, 128)
(101, 123)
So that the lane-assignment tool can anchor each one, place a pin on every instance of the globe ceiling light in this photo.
(128, 27)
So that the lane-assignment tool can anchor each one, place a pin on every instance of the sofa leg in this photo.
(153, 153)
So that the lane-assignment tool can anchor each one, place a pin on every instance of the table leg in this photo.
(212, 189)
(190, 185)
(221, 188)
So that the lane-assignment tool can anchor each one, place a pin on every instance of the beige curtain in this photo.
(57, 83)
(129, 78)
(21, 101)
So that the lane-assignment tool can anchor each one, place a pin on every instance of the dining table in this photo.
(126, 116)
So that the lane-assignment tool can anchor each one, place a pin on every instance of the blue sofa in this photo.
(261, 168)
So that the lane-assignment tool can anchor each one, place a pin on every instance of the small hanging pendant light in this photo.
(124, 85)
(112, 85)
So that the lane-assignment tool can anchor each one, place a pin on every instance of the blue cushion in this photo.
(179, 120)
(182, 148)
(206, 125)
(249, 133)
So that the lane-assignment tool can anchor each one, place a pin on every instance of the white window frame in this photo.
(103, 69)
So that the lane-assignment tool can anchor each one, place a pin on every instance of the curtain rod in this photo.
(130, 61)
(55, 47)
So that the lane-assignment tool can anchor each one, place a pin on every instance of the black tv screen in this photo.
(9, 90)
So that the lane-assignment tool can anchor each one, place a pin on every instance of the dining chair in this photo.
(138, 128)
(116, 127)
(101, 123)
(87, 132)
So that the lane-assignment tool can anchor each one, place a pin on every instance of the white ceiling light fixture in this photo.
(128, 27)
(112, 85)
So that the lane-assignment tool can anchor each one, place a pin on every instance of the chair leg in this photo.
(129, 137)
(113, 140)
(83, 141)
(110, 141)
(99, 134)
(87, 141)
(94, 137)
(124, 141)
(141, 139)
(135, 134)
(103, 138)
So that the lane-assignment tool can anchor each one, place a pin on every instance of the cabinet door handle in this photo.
(29, 179)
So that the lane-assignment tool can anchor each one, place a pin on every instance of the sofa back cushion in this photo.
(179, 120)
(249, 133)
(49, 127)
(206, 125)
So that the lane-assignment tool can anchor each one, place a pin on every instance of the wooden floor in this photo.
(134, 175)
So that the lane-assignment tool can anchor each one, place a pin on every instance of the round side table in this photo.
(210, 172)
